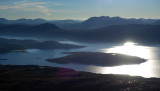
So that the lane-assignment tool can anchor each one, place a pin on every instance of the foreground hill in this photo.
(36, 78)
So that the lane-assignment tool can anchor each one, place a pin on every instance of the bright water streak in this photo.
(146, 69)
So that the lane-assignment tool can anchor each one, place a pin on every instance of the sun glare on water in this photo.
(132, 49)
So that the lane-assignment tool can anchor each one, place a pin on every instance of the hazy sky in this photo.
(78, 9)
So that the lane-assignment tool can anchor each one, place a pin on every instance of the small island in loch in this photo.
(98, 59)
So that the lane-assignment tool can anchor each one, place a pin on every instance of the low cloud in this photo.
(33, 6)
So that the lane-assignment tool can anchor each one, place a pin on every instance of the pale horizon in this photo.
(77, 19)
(79, 9)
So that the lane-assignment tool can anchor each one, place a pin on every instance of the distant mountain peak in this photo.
(104, 21)
(101, 17)
(3, 19)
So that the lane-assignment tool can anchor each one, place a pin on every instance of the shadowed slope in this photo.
(35, 78)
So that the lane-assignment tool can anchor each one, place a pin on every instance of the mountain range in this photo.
(104, 21)
(41, 30)
(39, 21)
(139, 33)
(116, 31)
(89, 24)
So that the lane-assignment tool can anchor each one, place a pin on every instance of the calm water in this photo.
(151, 68)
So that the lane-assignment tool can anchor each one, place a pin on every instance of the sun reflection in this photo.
(130, 48)
(129, 44)
(133, 70)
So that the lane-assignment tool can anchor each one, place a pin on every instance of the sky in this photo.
(78, 9)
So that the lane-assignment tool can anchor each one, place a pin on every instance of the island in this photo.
(14, 45)
(98, 59)
(44, 78)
